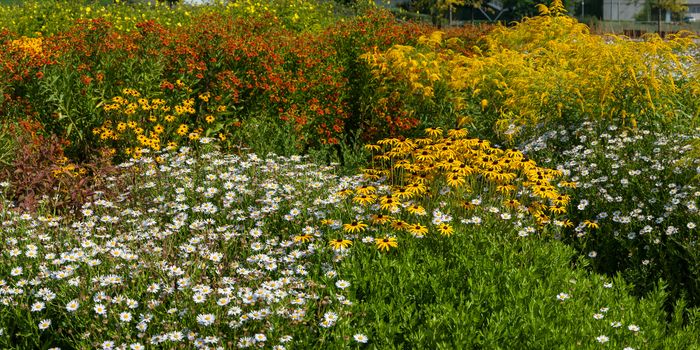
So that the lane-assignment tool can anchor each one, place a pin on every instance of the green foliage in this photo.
(487, 288)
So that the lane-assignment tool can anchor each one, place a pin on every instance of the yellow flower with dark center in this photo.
(169, 118)
(380, 158)
(415, 188)
(209, 119)
(425, 156)
(371, 147)
(541, 191)
(541, 217)
(570, 184)
(402, 164)
(557, 209)
(365, 189)
(561, 199)
(435, 132)
(512, 203)
(455, 181)
(182, 130)
(380, 219)
(355, 226)
(445, 229)
(303, 238)
(402, 193)
(365, 199)
(387, 199)
(505, 188)
(417, 230)
(468, 205)
(386, 243)
(591, 224)
(457, 133)
(340, 244)
(464, 169)
(399, 225)
(416, 209)
(345, 192)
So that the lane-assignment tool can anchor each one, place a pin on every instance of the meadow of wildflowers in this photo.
(311, 175)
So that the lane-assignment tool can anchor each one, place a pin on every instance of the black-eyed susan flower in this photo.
(303, 238)
(445, 229)
(345, 192)
(371, 147)
(417, 230)
(388, 202)
(561, 199)
(380, 219)
(416, 209)
(355, 226)
(425, 156)
(434, 132)
(365, 189)
(340, 244)
(399, 225)
(507, 188)
(511, 203)
(386, 243)
(555, 209)
(365, 199)
(591, 224)
(455, 181)
(570, 184)
(182, 130)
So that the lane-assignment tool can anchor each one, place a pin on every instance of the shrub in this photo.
(40, 175)
(544, 70)
(641, 192)
(135, 122)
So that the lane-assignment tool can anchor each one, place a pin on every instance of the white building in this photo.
(620, 10)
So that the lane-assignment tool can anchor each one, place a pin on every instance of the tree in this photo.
(170, 3)
(661, 6)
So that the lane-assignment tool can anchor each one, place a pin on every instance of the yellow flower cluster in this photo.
(410, 179)
(31, 47)
(421, 69)
(137, 122)
(546, 69)
(420, 168)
